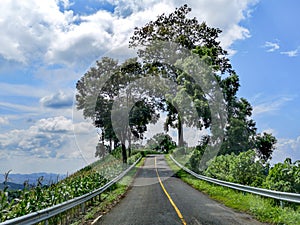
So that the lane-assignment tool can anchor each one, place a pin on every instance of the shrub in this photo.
(244, 168)
(284, 177)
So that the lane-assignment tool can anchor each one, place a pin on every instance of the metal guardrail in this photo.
(283, 196)
(45, 214)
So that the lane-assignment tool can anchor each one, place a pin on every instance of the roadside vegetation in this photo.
(109, 198)
(263, 209)
(244, 168)
(21, 202)
(244, 154)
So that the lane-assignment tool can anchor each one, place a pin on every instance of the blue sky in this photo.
(49, 45)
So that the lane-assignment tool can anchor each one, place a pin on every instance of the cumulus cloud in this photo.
(225, 15)
(44, 30)
(55, 125)
(46, 138)
(287, 148)
(58, 100)
(65, 3)
(4, 121)
(39, 140)
(271, 46)
(28, 35)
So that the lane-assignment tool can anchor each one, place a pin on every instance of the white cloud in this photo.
(32, 165)
(270, 105)
(292, 53)
(55, 125)
(4, 121)
(270, 131)
(18, 108)
(286, 148)
(98, 33)
(235, 33)
(271, 46)
(28, 35)
(36, 141)
(42, 31)
(226, 15)
(65, 3)
(58, 100)
(46, 138)
(21, 90)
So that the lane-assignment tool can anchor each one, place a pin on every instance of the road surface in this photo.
(159, 198)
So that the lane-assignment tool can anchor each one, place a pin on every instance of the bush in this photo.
(284, 177)
(195, 159)
(243, 169)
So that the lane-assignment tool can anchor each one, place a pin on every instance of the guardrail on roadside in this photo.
(45, 214)
(282, 196)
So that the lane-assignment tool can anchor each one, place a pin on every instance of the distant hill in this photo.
(19, 179)
(12, 186)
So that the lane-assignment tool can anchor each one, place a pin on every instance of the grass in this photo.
(109, 198)
(263, 209)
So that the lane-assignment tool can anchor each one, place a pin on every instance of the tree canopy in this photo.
(109, 81)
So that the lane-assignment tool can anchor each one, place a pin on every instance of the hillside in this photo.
(19, 179)
(11, 186)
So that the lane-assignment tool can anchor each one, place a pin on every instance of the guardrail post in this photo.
(281, 204)
(92, 201)
(46, 222)
(82, 207)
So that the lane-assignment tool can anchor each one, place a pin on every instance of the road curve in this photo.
(170, 201)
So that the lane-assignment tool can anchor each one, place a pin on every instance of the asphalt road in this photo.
(170, 201)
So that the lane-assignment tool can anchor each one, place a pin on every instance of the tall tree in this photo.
(190, 35)
(98, 91)
(240, 130)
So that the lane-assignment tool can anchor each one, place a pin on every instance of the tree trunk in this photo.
(129, 145)
(180, 132)
(124, 154)
(110, 145)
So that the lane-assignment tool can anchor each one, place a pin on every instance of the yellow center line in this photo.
(169, 197)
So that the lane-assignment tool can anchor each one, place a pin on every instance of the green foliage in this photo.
(261, 208)
(241, 130)
(134, 157)
(18, 203)
(161, 142)
(100, 87)
(198, 152)
(198, 38)
(117, 152)
(140, 116)
(284, 177)
(41, 197)
(243, 169)
(146, 152)
(219, 167)
(101, 150)
(246, 169)
(265, 144)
